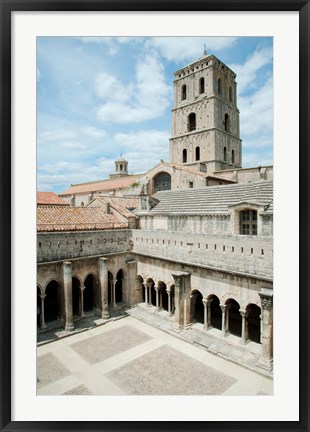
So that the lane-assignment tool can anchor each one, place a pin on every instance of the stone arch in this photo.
(161, 181)
(214, 312)
(183, 92)
(197, 308)
(151, 292)
(120, 285)
(191, 122)
(76, 296)
(233, 317)
(184, 156)
(163, 295)
(52, 301)
(227, 123)
(201, 85)
(90, 293)
(197, 153)
(253, 322)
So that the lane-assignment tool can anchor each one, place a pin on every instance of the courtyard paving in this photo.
(131, 357)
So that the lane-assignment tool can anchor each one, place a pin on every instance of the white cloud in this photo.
(247, 72)
(93, 132)
(145, 99)
(57, 135)
(183, 48)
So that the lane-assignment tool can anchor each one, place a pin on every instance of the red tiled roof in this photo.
(122, 205)
(102, 185)
(58, 218)
(49, 198)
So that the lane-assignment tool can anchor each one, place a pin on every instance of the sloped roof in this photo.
(58, 218)
(102, 185)
(215, 199)
(49, 198)
(123, 205)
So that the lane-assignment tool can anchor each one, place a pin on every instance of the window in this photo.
(191, 122)
(184, 156)
(219, 86)
(201, 85)
(230, 94)
(248, 222)
(225, 154)
(191, 185)
(197, 153)
(183, 92)
(227, 123)
(233, 156)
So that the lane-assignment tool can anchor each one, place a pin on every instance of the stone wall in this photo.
(241, 254)
(80, 244)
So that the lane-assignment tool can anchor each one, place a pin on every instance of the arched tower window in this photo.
(227, 123)
(183, 92)
(197, 153)
(191, 122)
(201, 85)
(233, 156)
(219, 86)
(184, 156)
(225, 154)
(248, 222)
(230, 94)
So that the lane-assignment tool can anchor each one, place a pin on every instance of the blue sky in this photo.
(98, 98)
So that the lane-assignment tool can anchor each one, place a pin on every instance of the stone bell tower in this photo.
(205, 117)
(121, 168)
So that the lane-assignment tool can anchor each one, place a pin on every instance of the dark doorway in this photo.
(110, 287)
(234, 317)
(88, 294)
(253, 313)
(216, 312)
(39, 312)
(164, 295)
(119, 287)
(198, 308)
(52, 301)
(76, 296)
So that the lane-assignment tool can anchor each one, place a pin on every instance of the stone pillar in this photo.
(82, 288)
(146, 290)
(104, 287)
(42, 318)
(205, 314)
(113, 282)
(266, 355)
(243, 327)
(157, 297)
(169, 301)
(150, 294)
(181, 298)
(209, 325)
(224, 319)
(67, 283)
(131, 288)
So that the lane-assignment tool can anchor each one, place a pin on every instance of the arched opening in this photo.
(219, 86)
(162, 181)
(191, 122)
(230, 94)
(233, 156)
(197, 307)
(225, 154)
(119, 287)
(39, 307)
(76, 296)
(172, 304)
(216, 312)
(183, 92)
(253, 313)
(227, 123)
(184, 156)
(197, 153)
(52, 301)
(234, 319)
(110, 287)
(163, 296)
(89, 293)
(201, 85)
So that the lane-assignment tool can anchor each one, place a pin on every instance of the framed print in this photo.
(145, 156)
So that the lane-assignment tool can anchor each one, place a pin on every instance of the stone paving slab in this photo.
(81, 390)
(166, 371)
(49, 369)
(98, 348)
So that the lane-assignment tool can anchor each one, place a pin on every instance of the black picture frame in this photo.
(9, 6)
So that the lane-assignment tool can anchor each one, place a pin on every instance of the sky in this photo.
(99, 98)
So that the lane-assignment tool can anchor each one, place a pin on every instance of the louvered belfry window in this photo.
(248, 222)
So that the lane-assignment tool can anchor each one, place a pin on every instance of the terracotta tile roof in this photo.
(58, 218)
(102, 185)
(49, 198)
(123, 205)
